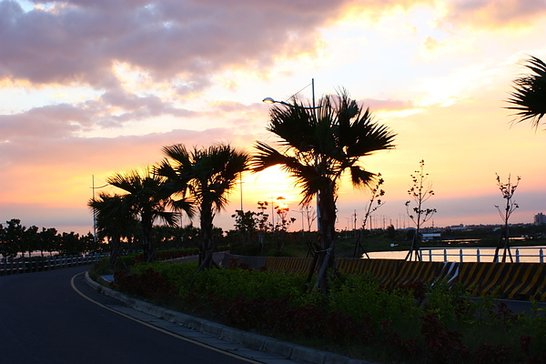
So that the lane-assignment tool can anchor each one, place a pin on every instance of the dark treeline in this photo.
(17, 239)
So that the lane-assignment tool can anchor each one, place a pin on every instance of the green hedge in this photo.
(357, 318)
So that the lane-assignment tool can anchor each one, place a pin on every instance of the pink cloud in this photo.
(136, 107)
(56, 121)
(82, 153)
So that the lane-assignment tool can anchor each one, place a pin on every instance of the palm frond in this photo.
(293, 125)
(184, 204)
(529, 96)
(265, 157)
(361, 177)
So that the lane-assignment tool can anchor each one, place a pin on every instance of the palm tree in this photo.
(316, 147)
(207, 175)
(114, 221)
(147, 199)
(529, 96)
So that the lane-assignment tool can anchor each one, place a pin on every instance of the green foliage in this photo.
(358, 317)
(232, 284)
(362, 297)
(441, 302)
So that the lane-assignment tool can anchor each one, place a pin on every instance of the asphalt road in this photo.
(44, 320)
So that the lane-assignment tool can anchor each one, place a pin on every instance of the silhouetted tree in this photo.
(373, 204)
(13, 238)
(246, 224)
(507, 190)
(207, 174)
(420, 192)
(310, 215)
(31, 240)
(49, 239)
(317, 147)
(147, 198)
(115, 220)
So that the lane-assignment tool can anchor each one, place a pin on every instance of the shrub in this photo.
(149, 284)
(442, 345)
(445, 327)
(362, 299)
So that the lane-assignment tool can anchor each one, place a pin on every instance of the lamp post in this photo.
(93, 188)
(241, 188)
(270, 100)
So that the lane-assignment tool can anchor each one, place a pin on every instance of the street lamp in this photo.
(270, 100)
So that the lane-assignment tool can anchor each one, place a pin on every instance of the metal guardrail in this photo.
(41, 264)
(519, 255)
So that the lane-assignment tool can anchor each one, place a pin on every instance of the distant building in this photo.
(459, 227)
(540, 219)
(430, 236)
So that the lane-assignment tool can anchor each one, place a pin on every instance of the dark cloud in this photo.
(79, 41)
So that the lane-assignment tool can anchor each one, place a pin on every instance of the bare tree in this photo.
(507, 190)
(310, 215)
(373, 204)
(420, 192)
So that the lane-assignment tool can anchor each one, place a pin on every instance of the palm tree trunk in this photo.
(327, 207)
(146, 224)
(207, 243)
(114, 250)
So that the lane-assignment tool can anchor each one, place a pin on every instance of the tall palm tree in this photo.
(529, 96)
(114, 221)
(207, 175)
(147, 198)
(316, 147)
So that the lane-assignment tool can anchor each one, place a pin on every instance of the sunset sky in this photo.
(95, 87)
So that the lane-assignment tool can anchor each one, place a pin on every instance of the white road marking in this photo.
(179, 337)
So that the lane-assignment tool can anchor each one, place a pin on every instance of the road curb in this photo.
(250, 340)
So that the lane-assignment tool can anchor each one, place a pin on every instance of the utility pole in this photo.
(93, 188)
(241, 188)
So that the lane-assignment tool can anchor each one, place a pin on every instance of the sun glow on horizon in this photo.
(268, 185)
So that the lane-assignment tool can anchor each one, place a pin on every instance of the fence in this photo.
(505, 280)
(47, 263)
(519, 255)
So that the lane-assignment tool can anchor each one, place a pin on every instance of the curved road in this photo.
(44, 320)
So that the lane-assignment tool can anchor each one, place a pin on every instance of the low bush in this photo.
(357, 318)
